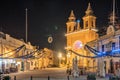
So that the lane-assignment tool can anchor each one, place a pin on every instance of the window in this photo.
(31, 63)
(92, 25)
(119, 42)
(105, 66)
(86, 24)
(69, 28)
(102, 48)
(113, 46)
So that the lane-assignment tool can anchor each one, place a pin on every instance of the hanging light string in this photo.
(27, 55)
(16, 52)
(2, 54)
(99, 54)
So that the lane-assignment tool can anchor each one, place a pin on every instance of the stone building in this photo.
(109, 44)
(108, 48)
(16, 55)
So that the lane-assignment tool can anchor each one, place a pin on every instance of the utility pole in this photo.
(113, 12)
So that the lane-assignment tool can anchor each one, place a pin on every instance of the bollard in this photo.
(14, 77)
(48, 77)
(68, 78)
(31, 78)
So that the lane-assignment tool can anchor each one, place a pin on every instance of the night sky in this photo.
(48, 18)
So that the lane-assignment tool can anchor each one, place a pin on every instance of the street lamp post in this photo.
(68, 60)
(60, 56)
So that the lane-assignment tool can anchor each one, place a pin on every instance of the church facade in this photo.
(78, 36)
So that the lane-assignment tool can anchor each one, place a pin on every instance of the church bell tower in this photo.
(89, 20)
(71, 23)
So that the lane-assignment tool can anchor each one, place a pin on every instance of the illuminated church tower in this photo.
(78, 37)
(89, 20)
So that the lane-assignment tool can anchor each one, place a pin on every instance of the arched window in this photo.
(119, 42)
(92, 24)
(102, 48)
(113, 46)
(86, 24)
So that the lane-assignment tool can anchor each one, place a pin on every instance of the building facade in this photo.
(109, 44)
(17, 55)
(78, 36)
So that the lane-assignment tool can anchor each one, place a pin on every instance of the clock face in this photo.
(77, 45)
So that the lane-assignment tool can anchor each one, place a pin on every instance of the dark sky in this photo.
(48, 17)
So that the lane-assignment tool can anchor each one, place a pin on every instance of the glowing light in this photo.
(68, 55)
(50, 39)
(78, 20)
(77, 45)
(60, 55)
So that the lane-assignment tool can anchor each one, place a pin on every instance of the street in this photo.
(44, 73)
(53, 73)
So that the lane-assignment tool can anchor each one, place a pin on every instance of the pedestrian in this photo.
(119, 72)
(70, 71)
(67, 71)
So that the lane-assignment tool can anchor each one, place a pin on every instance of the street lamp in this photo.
(68, 60)
(68, 55)
(60, 56)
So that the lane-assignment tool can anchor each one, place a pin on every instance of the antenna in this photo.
(26, 33)
(113, 12)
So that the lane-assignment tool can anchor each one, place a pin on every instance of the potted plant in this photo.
(6, 78)
(114, 78)
(91, 77)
